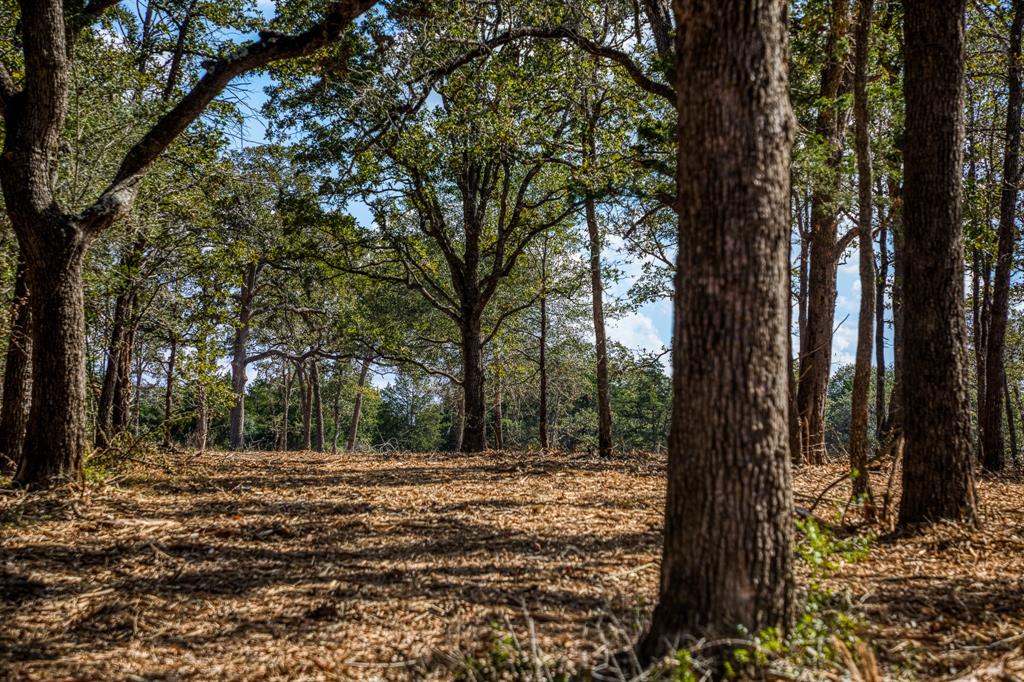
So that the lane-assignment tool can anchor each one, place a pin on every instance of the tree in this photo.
(995, 375)
(54, 239)
(861, 409)
(824, 248)
(729, 446)
(938, 479)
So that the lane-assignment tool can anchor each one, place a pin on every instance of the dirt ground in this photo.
(304, 566)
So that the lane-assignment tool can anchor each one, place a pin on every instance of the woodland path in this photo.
(312, 566)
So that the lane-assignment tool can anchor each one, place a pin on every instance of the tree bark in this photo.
(816, 361)
(318, 406)
(474, 433)
(286, 390)
(357, 407)
(542, 367)
(111, 417)
(1010, 426)
(460, 423)
(499, 430)
(861, 407)
(239, 354)
(729, 570)
(604, 404)
(993, 447)
(17, 371)
(172, 358)
(938, 480)
(883, 276)
(306, 394)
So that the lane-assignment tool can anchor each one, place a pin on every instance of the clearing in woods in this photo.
(312, 566)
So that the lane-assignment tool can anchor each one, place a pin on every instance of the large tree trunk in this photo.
(1011, 427)
(726, 566)
(938, 481)
(55, 440)
(357, 407)
(474, 433)
(318, 406)
(816, 360)
(17, 372)
(604, 404)
(993, 447)
(861, 406)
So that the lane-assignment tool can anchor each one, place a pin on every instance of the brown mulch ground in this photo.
(304, 566)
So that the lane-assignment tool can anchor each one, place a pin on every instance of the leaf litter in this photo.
(308, 566)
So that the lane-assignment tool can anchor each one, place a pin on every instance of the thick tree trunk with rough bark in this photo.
(17, 373)
(55, 441)
(938, 479)
(861, 406)
(474, 433)
(604, 403)
(729, 570)
(816, 360)
(993, 447)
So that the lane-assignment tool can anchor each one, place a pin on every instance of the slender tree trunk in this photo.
(1010, 426)
(460, 424)
(938, 480)
(499, 430)
(110, 393)
(894, 420)
(542, 366)
(202, 420)
(861, 406)
(993, 447)
(357, 407)
(474, 436)
(604, 404)
(318, 406)
(729, 572)
(123, 386)
(239, 355)
(816, 362)
(883, 276)
(336, 414)
(172, 358)
(17, 372)
(306, 394)
(286, 391)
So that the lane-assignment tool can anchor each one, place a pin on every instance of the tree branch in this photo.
(118, 196)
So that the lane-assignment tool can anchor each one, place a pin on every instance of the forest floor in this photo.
(304, 566)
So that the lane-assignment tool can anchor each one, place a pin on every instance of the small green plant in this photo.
(508, 659)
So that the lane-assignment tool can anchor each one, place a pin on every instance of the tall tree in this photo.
(861, 407)
(729, 447)
(938, 478)
(53, 239)
(992, 445)
(824, 247)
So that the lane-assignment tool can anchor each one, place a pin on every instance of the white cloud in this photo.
(636, 331)
(843, 344)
